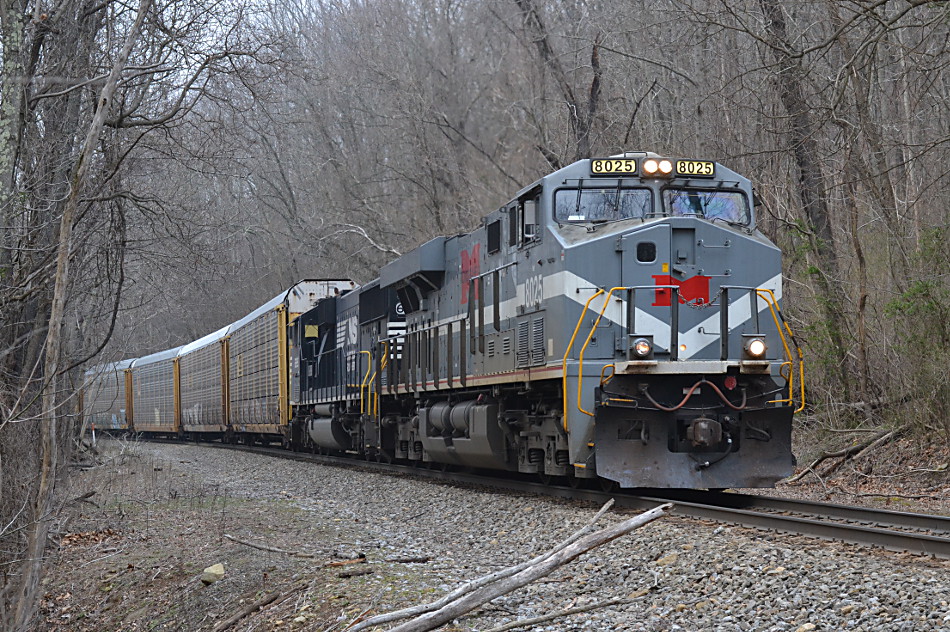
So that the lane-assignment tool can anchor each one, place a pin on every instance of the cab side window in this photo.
(524, 223)
(530, 230)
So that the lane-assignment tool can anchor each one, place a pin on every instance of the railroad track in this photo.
(923, 534)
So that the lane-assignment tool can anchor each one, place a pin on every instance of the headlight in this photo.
(659, 167)
(642, 348)
(755, 348)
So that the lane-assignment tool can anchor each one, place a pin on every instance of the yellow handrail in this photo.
(580, 357)
(613, 369)
(780, 325)
(369, 366)
(567, 352)
(382, 365)
(374, 401)
(769, 297)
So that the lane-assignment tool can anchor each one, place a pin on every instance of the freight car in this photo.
(105, 395)
(618, 320)
(230, 384)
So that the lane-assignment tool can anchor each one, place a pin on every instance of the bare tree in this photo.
(86, 86)
(36, 542)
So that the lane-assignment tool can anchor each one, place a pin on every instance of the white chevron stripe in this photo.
(579, 290)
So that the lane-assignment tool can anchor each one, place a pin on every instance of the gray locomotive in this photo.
(618, 319)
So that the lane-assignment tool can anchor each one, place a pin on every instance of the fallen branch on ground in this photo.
(537, 568)
(358, 560)
(356, 573)
(251, 609)
(405, 613)
(266, 600)
(514, 625)
(847, 454)
(85, 498)
(409, 560)
(887, 438)
(270, 549)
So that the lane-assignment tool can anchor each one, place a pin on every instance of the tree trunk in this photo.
(803, 133)
(864, 368)
(36, 543)
(12, 86)
(877, 174)
(581, 118)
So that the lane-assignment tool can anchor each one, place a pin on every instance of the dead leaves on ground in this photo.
(87, 538)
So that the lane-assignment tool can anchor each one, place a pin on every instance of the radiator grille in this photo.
(522, 352)
(537, 341)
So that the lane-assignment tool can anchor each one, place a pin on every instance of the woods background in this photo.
(165, 167)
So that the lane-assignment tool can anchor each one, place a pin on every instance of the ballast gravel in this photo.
(678, 574)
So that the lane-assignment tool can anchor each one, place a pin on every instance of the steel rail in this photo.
(862, 515)
(724, 507)
(905, 541)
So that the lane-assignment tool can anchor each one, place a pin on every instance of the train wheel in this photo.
(545, 479)
(608, 485)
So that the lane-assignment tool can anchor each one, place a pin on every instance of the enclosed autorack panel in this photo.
(104, 396)
(201, 381)
(154, 393)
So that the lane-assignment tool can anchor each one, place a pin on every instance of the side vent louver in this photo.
(530, 347)
(537, 341)
(522, 353)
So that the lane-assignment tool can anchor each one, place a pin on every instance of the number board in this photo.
(696, 168)
(613, 167)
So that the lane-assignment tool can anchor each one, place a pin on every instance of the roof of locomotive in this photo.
(581, 170)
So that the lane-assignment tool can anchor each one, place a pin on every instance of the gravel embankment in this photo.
(681, 574)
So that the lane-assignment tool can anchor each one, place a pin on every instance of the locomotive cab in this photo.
(691, 388)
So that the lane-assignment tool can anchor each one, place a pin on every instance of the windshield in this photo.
(601, 205)
(730, 206)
